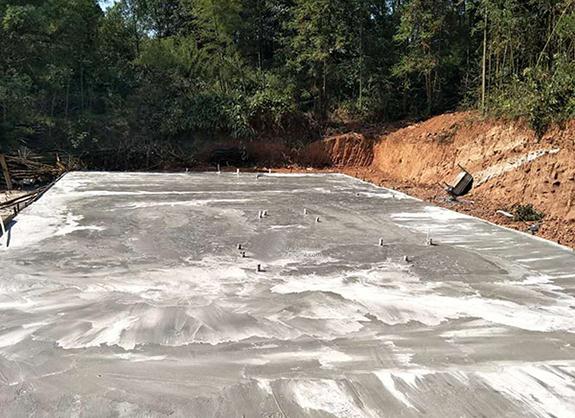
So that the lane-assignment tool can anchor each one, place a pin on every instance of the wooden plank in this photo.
(20, 199)
(5, 172)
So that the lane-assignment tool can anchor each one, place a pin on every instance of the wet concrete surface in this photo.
(126, 295)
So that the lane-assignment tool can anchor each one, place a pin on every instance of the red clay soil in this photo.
(344, 150)
(510, 165)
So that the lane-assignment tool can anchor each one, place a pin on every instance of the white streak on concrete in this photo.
(545, 391)
(405, 298)
(325, 395)
(387, 380)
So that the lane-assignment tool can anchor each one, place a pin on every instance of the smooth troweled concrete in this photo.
(126, 295)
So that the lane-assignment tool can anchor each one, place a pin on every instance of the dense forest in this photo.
(76, 74)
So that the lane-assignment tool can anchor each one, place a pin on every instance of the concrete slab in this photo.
(126, 295)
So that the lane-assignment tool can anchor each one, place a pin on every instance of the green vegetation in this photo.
(74, 76)
(527, 213)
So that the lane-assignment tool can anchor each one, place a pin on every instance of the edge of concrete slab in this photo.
(8, 219)
(535, 237)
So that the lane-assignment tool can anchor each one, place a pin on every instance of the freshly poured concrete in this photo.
(125, 295)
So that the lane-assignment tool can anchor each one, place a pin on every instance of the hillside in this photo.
(510, 165)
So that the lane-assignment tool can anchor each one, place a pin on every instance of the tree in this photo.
(76, 77)
(430, 34)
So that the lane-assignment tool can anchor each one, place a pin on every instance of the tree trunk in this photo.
(360, 98)
(5, 172)
(484, 67)
(324, 90)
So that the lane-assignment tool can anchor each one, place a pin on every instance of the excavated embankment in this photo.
(510, 165)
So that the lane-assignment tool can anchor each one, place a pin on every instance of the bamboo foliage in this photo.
(76, 77)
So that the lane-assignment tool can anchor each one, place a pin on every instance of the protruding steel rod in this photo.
(381, 242)
(428, 239)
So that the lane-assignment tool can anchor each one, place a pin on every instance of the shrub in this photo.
(527, 213)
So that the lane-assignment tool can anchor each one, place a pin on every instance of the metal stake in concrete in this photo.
(381, 242)
(259, 270)
(305, 211)
(239, 246)
(428, 240)
(265, 213)
(243, 254)
(317, 219)
(406, 259)
(260, 214)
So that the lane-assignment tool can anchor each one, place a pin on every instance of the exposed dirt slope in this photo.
(352, 149)
(508, 162)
